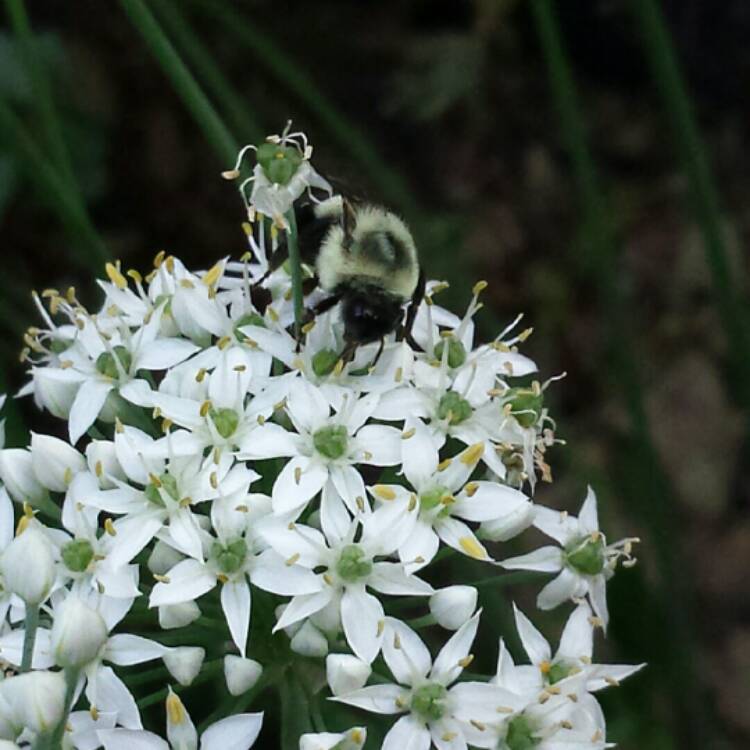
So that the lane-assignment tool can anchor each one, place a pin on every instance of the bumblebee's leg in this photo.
(378, 354)
(280, 254)
(411, 313)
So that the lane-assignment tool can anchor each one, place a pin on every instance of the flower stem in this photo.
(295, 711)
(208, 672)
(295, 265)
(31, 625)
(71, 680)
(182, 79)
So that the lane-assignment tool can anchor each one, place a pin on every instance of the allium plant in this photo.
(241, 509)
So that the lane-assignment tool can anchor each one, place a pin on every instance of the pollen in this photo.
(68, 475)
(159, 258)
(98, 468)
(109, 527)
(471, 488)
(472, 548)
(479, 287)
(292, 560)
(200, 375)
(466, 661)
(224, 342)
(472, 454)
(308, 327)
(297, 475)
(135, 276)
(399, 376)
(161, 579)
(478, 724)
(545, 667)
(205, 408)
(357, 736)
(231, 174)
(384, 492)
(408, 434)
(443, 465)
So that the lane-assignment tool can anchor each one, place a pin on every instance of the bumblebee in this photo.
(365, 257)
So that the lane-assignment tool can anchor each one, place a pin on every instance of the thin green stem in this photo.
(422, 622)
(299, 83)
(31, 625)
(655, 499)
(295, 268)
(42, 95)
(187, 87)
(705, 203)
(53, 190)
(295, 711)
(208, 672)
(56, 737)
(201, 59)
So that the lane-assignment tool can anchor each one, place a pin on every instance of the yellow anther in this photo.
(360, 501)
(176, 712)
(242, 509)
(166, 425)
(545, 667)
(94, 713)
(525, 334)
(408, 434)
(338, 368)
(28, 511)
(161, 578)
(384, 492)
(23, 524)
(113, 272)
(272, 314)
(308, 327)
(187, 284)
(479, 287)
(399, 376)
(159, 258)
(412, 502)
(135, 276)
(328, 579)
(357, 736)
(381, 628)
(297, 475)
(468, 659)
(186, 502)
(292, 560)
(214, 480)
(154, 480)
(472, 454)
(200, 375)
(443, 465)
(231, 174)
(504, 710)
(205, 408)
(98, 469)
(70, 294)
(471, 488)
(447, 500)
(261, 419)
(221, 578)
(169, 263)
(478, 724)
(472, 548)
(449, 736)
(247, 228)
(224, 342)
(213, 274)
(109, 527)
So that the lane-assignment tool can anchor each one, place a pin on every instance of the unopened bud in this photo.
(55, 462)
(184, 663)
(453, 606)
(346, 673)
(309, 641)
(78, 634)
(241, 674)
(36, 699)
(173, 616)
(28, 567)
(17, 474)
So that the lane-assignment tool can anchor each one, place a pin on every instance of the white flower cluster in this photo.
(213, 461)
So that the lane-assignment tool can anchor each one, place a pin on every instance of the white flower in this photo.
(241, 674)
(584, 561)
(434, 710)
(238, 732)
(309, 641)
(445, 500)
(573, 660)
(352, 739)
(17, 474)
(346, 567)
(28, 565)
(78, 633)
(452, 606)
(184, 663)
(324, 446)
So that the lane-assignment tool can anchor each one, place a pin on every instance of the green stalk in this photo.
(295, 711)
(295, 267)
(208, 672)
(231, 102)
(56, 738)
(705, 203)
(31, 625)
(42, 95)
(267, 54)
(187, 87)
(53, 190)
(655, 497)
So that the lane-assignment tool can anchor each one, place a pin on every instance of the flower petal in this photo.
(237, 732)
(188, 580)
(534, 643)
(299, 481)
(408, 733)
(447, 667)
(362, 619)
(379, 699)
(544, 560)
(124, 650)
(236, 603)
(558, 590)
(405, 653)
(86, 407)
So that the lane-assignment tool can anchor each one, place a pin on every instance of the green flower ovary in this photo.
(168, 483)
(230, 558)
(353, 565)
(249, 319)
(587, 555)
(434, 498)
(526, 405)
(428, 701)
(324, 361)
(278, 162)
(520, 734)
(456, 352)
(106, 365)
(225, 420)
(77, 555)
(331, 441)
(558, 672)
(454, 408)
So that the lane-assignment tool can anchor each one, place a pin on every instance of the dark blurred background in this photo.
(552, 148)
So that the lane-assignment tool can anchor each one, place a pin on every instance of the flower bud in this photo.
(54, 461)
(309, 641)
(241, 674)
(17, 474)
(55, 390)
(28, 567)
(346, 673)
(78, 634)
(163, 558)
(508, 526)
(102, 462)
(453, 606)
(184, 663)
(172, 616)
(180, 728)
(37, 699)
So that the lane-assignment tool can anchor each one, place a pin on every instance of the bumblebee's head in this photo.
(369, 313)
